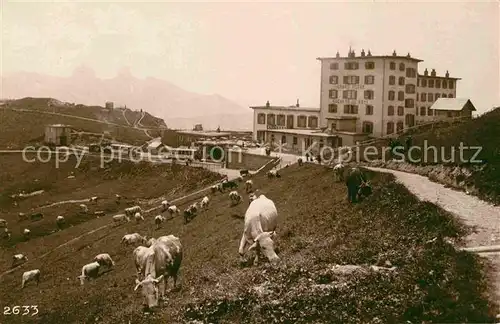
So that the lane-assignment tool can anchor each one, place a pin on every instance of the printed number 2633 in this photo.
(21, 310)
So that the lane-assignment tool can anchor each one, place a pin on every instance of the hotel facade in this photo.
(360, 97)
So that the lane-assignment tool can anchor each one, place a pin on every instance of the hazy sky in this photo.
(252, 52)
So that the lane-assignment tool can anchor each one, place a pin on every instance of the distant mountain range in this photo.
(178, 107)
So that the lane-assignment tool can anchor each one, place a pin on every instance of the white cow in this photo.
(26, 233)
(60, 221)
(93, 199)
(22, 216)
(273, 174)
(248, 185)
(158, 220)
(163, 259)
(90, 270)
(104, 259)
(18, 259)
(121, 218)
(140, 253)
(132, 239)
(338, 171)
(235, 197)
(204, 202)
(84, 208)
(130, 211)
(32, 275)
(3, 223)
(5, 234)
(261, 219)
(173, 210)
(214, 188)
(164, 205)
(138, 217)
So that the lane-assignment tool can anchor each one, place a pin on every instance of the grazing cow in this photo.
(357, 186)
(214, 188)
(273, 174)
(22, 216)
(140, 254)
(190, 213)
(235, 197)
(339, 171)
(60, 221)
(121, 218)
(228, 184)
(138, 217)
(261, 220)
(93, 199)
(84, 208)
(204, 202)
(132, 239)
(32, 275)
(3, 223)
(173, 210)
(248, 186)
(164, 205)
(130, 211)
(158, 220)
(163, 260)
(5, 234)
(104, 259)
(118, 197)
(26, 233)
(18, 259)
(243, 173)
(90, 270)
(37, 216)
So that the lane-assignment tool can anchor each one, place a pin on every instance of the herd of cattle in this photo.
(157, 259)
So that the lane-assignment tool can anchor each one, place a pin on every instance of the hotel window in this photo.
(334, 66)
(369, 79)
(438, 95)
(422, 111)
(418, 82)
(450, 95)
(431, 83)
(390, 127)
(261, 119)
(444, 95)
(451, 84)
(349, 94)
(367, 127)
(369, 65)
(271, 119)
(281, 120)
(445, 84)
(423, 97)
(392, 80)
(399, 126)
(332, 108)
(351, 79)
(369, 110)
(410, 88)
(295, 141)
(283, 139)
(401, 95)
(390, 111)
(409, 103)
(401, 111)
(449, 114)
(430, 97)
(411, 73)
(369, 94)
(401, 81)
(391, 95)
(301, 121)
(429, 112)
(392, 66)
(351, 65)
(401, 66)
(334, 79)
(333, 94)
(438, 84)
(312, 122)
(350, 109)
(424, 82)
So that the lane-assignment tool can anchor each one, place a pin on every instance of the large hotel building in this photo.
(363, 96)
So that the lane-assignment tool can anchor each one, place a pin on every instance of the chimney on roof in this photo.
(349, 53)
(338, 54)
(433, 72)
(447, 74)
(363, 52)
(369, 53)
(394, 53)
(426, 73)
(408, 55)
(297, 105)
(267, 104)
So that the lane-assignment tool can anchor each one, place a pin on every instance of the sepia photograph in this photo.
(249, 162)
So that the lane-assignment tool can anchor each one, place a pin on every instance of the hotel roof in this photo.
(291, 108)
(369, 57)
(437, 77)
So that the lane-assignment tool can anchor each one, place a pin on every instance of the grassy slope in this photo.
(316, 229)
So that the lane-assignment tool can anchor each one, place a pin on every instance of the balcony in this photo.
(275, 127)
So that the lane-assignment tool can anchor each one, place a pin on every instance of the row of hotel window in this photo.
(302, 121)
(370, 94)
(353, 110)
(367, 127)
(370, 79)
(410, 72)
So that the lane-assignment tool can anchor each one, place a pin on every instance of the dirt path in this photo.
(469, 209)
